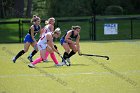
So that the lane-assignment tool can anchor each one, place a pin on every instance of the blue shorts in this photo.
(28, 38)
(62, 40)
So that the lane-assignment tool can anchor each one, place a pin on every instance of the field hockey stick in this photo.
(107, 58)
(64, 60)
(60, 55)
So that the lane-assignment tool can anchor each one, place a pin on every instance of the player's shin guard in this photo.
(38, 60)
(54, 58)
(71, 54)
(33, 53)
(47, 54)
(65, 55)
(19, 54)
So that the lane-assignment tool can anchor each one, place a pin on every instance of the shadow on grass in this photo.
(47, 62)
(53, 66)
(79, 65)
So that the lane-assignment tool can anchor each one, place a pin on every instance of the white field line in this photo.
(70, 74)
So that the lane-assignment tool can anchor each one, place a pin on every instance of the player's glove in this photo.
(55, 47)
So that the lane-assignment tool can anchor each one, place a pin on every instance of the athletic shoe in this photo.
(45, 60)
(14, 60)
(30, 59)
(59, 64)
(31, 65)
(64, 62)
(68, 60)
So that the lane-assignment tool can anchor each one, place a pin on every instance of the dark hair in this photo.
(35, 18)
(75, 27)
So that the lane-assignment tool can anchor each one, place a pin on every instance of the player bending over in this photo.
(44, 44)
(48, 28)
(68, 43)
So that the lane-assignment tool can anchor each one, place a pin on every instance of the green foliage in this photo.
(127, 6)
(39, 8)
(63, 8)
(60, 8)
(69, 8)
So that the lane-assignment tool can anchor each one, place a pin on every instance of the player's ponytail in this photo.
(46, 22)
(34, 18)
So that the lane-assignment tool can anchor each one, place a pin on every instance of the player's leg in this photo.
(47, 53)
(67, 50)
(26, 47)
(66, 54)
(74, 49)
(42, 57)
(38, 60)
(31, 55)
(51, 52)
(33, 52)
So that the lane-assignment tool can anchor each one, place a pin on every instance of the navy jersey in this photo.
(36, 30)
(72, 35)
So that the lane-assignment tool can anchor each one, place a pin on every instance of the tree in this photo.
(29, 8)
(39, 8)
(136, 6)
(127, 6)
(6, 8)
(2, 9)
(19, 8)
(61, 8)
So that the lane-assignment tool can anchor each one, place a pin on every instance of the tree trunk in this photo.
(19, 8)
(29, 7)
(1, 9)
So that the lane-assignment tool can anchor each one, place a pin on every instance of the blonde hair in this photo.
(48, 21)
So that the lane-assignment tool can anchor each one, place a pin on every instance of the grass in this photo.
(120, 74)
(9, 33)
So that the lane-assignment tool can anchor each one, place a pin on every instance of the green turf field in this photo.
(120, 74)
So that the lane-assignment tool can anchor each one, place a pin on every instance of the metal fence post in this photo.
(131, 21)
(19, 31)
(94, 20)
(92, 28)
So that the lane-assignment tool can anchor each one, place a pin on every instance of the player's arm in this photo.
(51, 43)
(41, 31)
(51, 27)
(68, 38)
(32, 34)
(77, 43)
